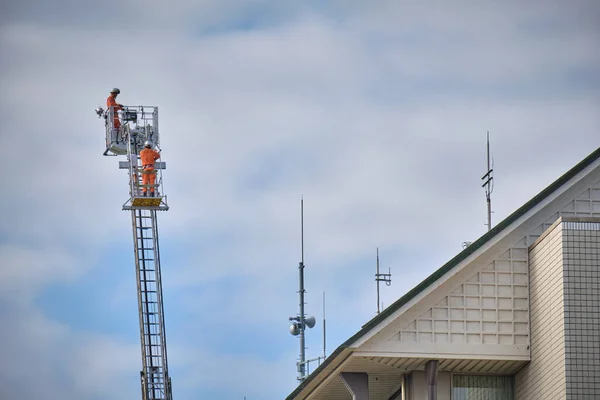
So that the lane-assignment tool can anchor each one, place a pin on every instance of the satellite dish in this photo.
(294, 329)
(310, 322)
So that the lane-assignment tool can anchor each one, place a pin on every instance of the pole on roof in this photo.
(377, 276)
(488, 184)
(300, 322)
(324, 331)
(301, 271)
(387, 278)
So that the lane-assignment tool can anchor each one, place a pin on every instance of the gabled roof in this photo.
(449, 266)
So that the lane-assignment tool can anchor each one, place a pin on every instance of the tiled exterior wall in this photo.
(544, 377)
(581, 241)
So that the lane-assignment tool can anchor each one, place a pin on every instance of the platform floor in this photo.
(140, 201)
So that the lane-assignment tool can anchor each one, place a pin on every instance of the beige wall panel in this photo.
(544, 377)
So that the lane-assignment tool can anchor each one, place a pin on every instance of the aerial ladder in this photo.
(139, 125)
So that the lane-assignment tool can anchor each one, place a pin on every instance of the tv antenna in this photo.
(387, 278)
(488, 184)
(301, 321)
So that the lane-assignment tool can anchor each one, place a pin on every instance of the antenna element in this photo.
(488, 184)
(387, 278)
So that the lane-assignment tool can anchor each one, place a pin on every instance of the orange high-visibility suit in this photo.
(148, 157)
(112, 102)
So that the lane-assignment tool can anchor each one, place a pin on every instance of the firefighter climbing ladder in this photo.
(140, 125)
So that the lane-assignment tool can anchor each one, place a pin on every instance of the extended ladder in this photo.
(155, 381)
(140, 124)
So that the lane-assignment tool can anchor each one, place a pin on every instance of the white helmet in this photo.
(115, 90)
(147, 144)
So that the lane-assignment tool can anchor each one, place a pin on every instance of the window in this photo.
(480, 387)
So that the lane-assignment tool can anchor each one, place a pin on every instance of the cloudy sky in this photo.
(376, 112)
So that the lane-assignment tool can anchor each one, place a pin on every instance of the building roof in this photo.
(448, 266)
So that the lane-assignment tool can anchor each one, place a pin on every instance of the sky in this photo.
(375, 113)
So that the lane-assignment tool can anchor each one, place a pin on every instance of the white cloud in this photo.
(375, 113)
(24, 271)
(44, 358)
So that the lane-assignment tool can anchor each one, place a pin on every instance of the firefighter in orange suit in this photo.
(111, 102)
(148, 157)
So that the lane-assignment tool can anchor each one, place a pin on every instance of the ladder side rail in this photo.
(160, 295)
(149, 311)
(154, 328)
(138, 268)
(151, 289)
(146, 312)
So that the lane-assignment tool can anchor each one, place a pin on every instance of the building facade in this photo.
(515, 315)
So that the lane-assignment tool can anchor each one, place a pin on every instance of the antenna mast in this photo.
(324, 331)
(387, 278)
(301, 366)
(301, 321)
(488, 184)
